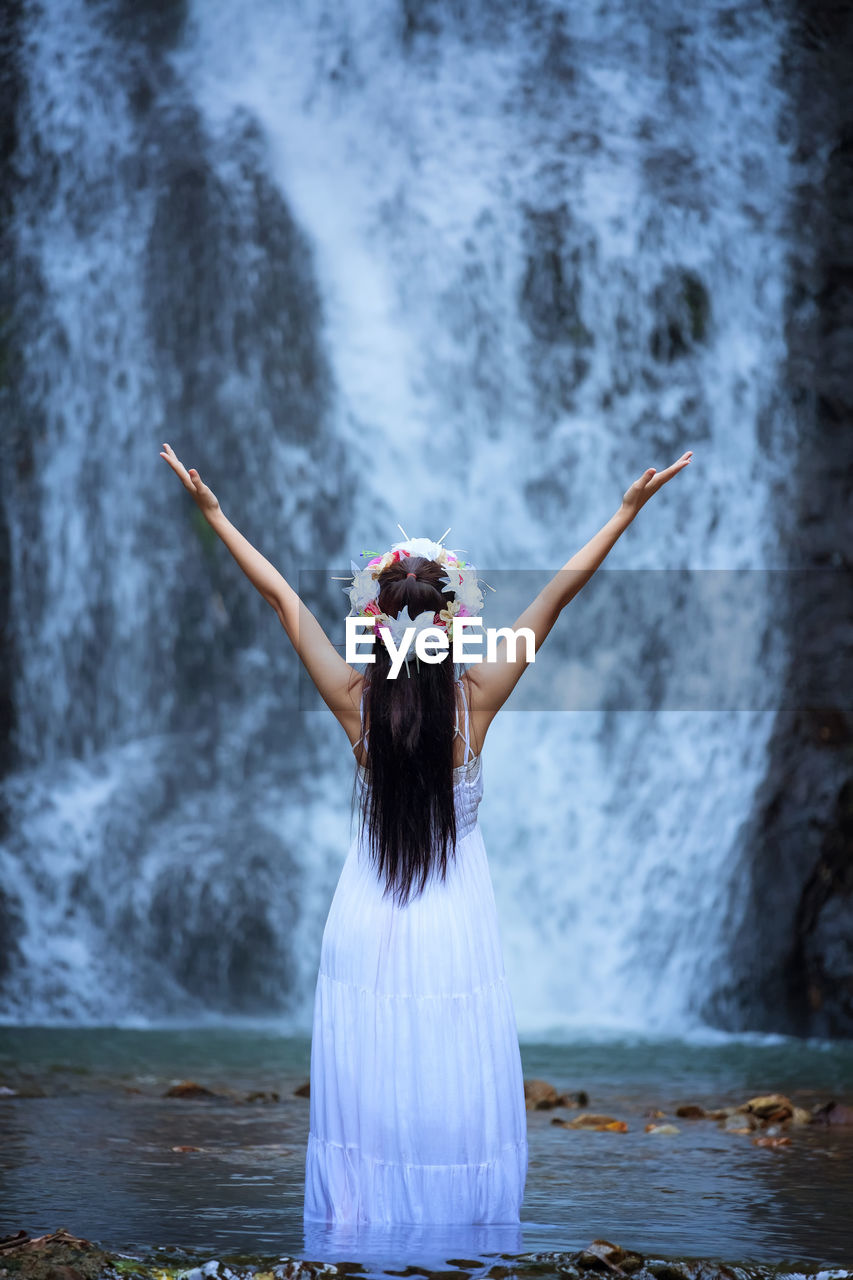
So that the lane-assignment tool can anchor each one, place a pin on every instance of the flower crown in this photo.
(460, 578)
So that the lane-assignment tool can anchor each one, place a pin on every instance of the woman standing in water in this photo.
(417, 1108)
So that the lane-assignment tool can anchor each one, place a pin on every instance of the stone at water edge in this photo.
(189, 1089)
(57, 1254)
(580, 1098)
(589, 1120)
(614, 1257)
(771, 1107)
(832, 1113)
(540, 1095)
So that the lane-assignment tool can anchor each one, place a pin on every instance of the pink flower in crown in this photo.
(463, 612)
(372, 608)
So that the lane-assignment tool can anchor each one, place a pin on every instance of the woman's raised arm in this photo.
(338, 682)
(493, 682)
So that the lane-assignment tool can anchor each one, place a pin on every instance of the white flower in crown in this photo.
(364, 589)
(463, 582)
(420, 547)
(397, 626)
(387, 559)
(447, 614)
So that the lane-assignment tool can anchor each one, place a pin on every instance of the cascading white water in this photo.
(364, 264)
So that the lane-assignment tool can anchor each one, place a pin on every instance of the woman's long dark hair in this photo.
(408, 811)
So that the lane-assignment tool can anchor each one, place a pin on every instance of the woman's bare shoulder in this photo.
(481, 715)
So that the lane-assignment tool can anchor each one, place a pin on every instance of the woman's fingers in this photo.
(669, 472)
(650, 481)
(205, 498)
(177, 466)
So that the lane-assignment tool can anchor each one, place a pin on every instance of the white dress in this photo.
(417, 1110)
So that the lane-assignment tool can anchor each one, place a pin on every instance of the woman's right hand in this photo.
(649, 482)
(205, 498)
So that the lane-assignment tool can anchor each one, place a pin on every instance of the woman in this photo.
(417, 1110)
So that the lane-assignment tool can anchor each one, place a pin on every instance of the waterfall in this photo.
(474, 266)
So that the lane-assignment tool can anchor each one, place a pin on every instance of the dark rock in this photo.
(580, 1098)
(771, 1108)
(603, 1255)
(57, 1256)
(790, 954)
(551, 303)
(683, 308)
(828, 726)
(11, 53)
(592, 1120)
(833, 1113)
(227, 951)
(189, 1089)
(11, 912)
(539, 1095)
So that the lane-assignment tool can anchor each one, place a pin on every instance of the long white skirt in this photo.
(417, 1108)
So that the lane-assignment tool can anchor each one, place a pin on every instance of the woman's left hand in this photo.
(205, 498)
(649, 482)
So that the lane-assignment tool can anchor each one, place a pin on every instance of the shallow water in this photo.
(92, 1151)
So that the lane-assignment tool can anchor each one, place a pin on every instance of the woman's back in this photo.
(464, 750)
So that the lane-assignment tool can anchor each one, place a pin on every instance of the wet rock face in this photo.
(10, 928)
(819, 972)
(824, 927)
(552, 303)
(9, 90)
(794, 948)
(683, 307)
